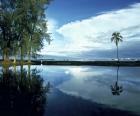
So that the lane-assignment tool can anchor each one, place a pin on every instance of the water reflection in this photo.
(116, 88)
(76, 91)
(22, 92)
(93, 83)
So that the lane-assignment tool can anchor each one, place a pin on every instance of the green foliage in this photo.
(23, 26)
(116, 38)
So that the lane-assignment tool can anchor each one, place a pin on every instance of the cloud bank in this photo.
(93, 34)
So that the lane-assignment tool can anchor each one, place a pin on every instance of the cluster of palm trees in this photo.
(23, 27)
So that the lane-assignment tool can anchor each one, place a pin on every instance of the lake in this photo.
(69, 91)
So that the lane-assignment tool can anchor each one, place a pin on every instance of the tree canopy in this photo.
(23, 27)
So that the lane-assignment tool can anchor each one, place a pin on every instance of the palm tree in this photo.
(116, 37)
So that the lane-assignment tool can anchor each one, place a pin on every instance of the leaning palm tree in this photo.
(116, 37)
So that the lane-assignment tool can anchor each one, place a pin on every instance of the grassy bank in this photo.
(11, 62)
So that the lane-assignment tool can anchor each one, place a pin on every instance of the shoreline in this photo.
(72, 63)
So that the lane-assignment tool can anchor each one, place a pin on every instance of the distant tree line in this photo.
(23, 27)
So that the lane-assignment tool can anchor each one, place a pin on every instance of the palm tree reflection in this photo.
(23, 93)
(116, 89)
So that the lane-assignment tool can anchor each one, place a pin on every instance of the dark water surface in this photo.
(69, 91)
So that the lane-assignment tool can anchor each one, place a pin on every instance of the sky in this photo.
(82, 29)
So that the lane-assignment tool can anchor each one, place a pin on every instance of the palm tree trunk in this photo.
(117, 53)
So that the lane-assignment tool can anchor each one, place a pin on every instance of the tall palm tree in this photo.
(116, 38)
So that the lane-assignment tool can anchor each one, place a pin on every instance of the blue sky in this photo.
(83, 28)
(66, 11)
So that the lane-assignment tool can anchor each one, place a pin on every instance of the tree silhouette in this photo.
(116, 38)
(21, 94)
(116, 89)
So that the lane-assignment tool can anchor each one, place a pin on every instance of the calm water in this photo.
(70, 91)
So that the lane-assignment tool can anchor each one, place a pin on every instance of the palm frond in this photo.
(116, 37)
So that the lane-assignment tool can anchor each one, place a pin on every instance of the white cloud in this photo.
(52, 25)
(55, 47)
(95, 32)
